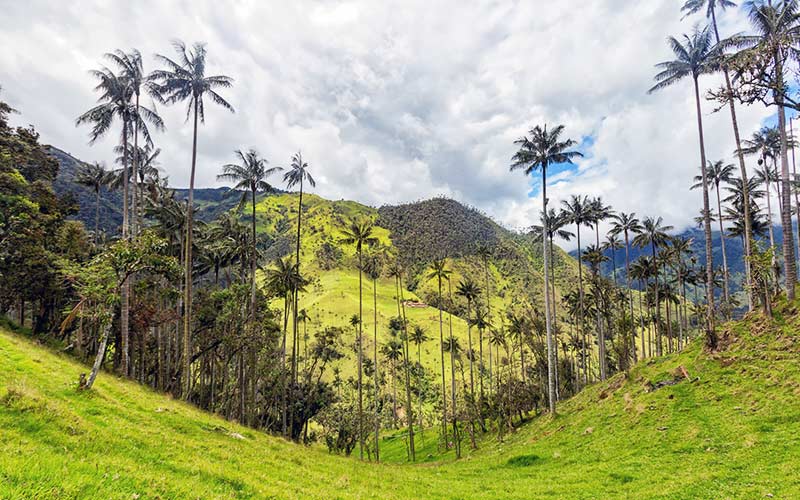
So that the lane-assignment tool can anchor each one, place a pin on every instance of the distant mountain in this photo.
(210, 202)
(734, 250)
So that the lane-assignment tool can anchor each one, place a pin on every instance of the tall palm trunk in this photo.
(124, 313)
(376, 376)
(582, 331)
(554, 315)
(726, 285)
(187, 289)
(769, 209)
(790, 265)
(134, 203)
(796, 194)
(488, 321)
(659, 344)
(711, 335)
(456, 437)
(360, 361)
(96, 214)
(630, 294)
(297, 293)
(471, 352)
(406, 363)
(748, 227)
(441, 358)
(551, 365)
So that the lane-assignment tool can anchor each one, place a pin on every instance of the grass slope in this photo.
(332, 298)
(731, 431)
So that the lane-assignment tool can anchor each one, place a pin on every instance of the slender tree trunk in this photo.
(441, 358)
(796, 195)
(582, 331)
(96, 215)
(186, 378)
(297, 293)
(360, 361)
(726, 284)
(456, 437)
(630, 294)
(134, 206)
(711, 335)
(790, 265)
(748, 229)
(551, 382)
(377, 373)
(406, 362)
(124, 314)
(101, 354)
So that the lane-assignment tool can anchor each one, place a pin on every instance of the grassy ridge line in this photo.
(731, 432)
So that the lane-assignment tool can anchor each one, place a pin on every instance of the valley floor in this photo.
(732, 430)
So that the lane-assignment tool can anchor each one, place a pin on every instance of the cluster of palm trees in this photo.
(754, 67)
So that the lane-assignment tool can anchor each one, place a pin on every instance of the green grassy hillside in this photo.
(731, 430)
(515, 271)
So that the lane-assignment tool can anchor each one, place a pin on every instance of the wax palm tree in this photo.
(439, 271)
(393, 351)
(627, 224)
(717, 173)
(763, 144)
(695, 56)
(711, 6)
(115, 104)
(283, 280)
(612, 243)
(470, 291)
(250, 177)
(536, 153)
(481, 321)
(640, 271)
(374, 267)
(595, 257)
(359, 233)
(777, 33)
(186, 80)
(132, 70)
(94, 176)
(296, 176)
(419, 336)
(654, 234)
(577, 211)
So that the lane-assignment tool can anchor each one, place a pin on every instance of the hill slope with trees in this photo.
(692, 425)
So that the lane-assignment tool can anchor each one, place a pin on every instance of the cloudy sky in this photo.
(393, 102)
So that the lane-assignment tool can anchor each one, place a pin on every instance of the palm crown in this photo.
(250, 175)
(694, 56)
(542, 149)
(185, 79)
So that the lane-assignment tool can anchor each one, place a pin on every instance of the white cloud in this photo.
(394, 102)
